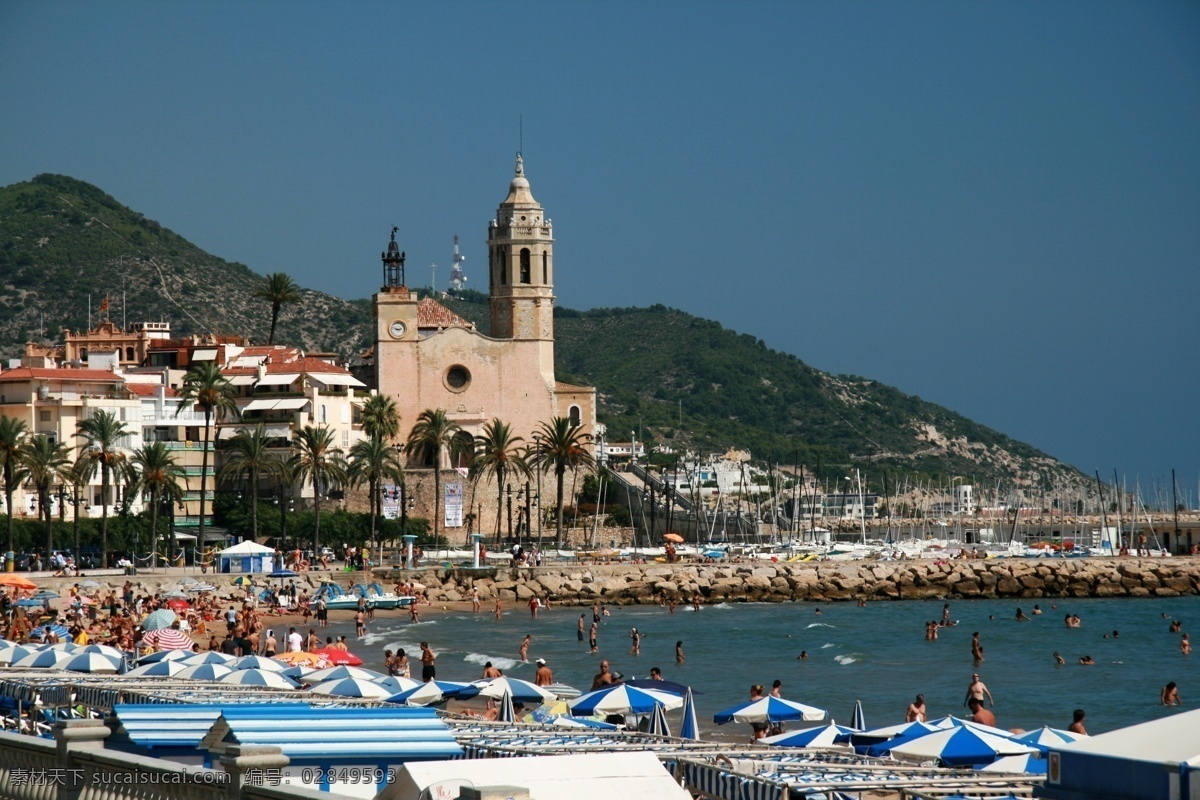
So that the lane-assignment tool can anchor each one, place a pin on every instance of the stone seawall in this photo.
(628, 584)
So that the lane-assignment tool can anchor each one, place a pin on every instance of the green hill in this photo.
(684, 382)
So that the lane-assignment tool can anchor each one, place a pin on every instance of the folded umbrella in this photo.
(1045, 737)
(690, 727)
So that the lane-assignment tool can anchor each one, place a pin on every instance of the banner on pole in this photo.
(454, 505)
(391, 501)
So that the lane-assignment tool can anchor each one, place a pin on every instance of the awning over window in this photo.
(279, 379)
(335, 379)
(243, 380)
(204, 355)
(276, 404)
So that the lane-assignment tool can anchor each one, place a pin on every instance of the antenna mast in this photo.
(458, 280)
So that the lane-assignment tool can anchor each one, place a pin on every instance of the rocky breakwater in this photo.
(628, 584)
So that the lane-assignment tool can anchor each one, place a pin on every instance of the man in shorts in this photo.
(428, 671)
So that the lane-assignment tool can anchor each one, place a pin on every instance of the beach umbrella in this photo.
(178, 605)
(565, 721)
(1045, 737)
(258, 677)
(689, 728)
(66, 646)
(951, 721)
(820, 736)
(339, 657)
(427, 694)
(58, 630)
(658, 722)
(15, 652)
(157, 620)
(397, 684)
(670, 687)
(908, 729)
(104, 650)
(242, 580)
(622, 699)
(521, 691)
(168, 639)
(673, 537)
(209, 657)
(94, 662)
(28, 602)
(44, 659)
(15, 581)
(352, 687)
(507, 712)
(297, 657)
(958, 746)
(299, 672)
(202, 587)
(258, 662)
(769, 709)
(165, 655)
(176, 594)
(282, 573)
(204, 672)
(157, 669)
(343, 672)
(1029, 764)
(45, 594)
(89, 584)
(858, 721)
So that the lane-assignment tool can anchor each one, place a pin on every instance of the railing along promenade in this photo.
(75, 766)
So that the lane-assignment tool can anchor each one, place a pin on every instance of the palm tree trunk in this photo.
(274, 319)
(374, 504)
(104, 514)
(75, 509)
(558, 472)
(254, 504)
(499, 501)
(316, 515)
(153, 528)
(437, 492)
(44, 502)
(8, 493)
(203, 483)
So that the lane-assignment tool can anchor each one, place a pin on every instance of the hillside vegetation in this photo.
(682, 381)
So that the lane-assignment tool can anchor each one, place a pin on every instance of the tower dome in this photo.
(518, 189)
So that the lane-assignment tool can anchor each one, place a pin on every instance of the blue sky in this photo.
(995, 206)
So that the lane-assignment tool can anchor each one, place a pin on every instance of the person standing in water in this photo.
(679, 652)
(916, 710)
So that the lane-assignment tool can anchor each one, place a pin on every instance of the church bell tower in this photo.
(395, 318)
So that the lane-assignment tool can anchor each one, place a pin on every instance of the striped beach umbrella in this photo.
(15, 652)
(168, 639)
(343, 672)
(398, 684)
(352, 687)
(507, 713)
(427, 694)
(157, 669)
(820, 736)
(958, 746)
(259, 662)
(858, 720)
(258, 677)
(521, 691)
(209, 657)
(94, 662)
(1029, 764)
(690, 727)
(204, 672)
(769, 709)
(157, 620)
(622, 699)
(165, 655)
(44, 659)
(1045, 737)
(104, 650)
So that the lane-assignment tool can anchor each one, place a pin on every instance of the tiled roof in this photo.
(432, 314)
(48, 373)
(306, 365)
(149, 389)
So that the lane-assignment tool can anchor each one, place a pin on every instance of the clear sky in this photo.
(995, 206)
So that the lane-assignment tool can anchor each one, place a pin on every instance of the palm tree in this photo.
(277, 288)
(103, 432)
(158, 477)
(373, 461)
(12, 437)
(79, 475)
(248, 455)
(563, 445)
(44, 460)
(317, 459)
(433, 434)
(497, 452)
(380, 419)
(205, 386)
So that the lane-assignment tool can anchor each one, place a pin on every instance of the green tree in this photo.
(497, 454)
(380, 418)
(158, 478)
(44, 460)
(79, 475)
(103, 433)
(205, 386)
(277, 288)
(433, 434)
(12, 438)
(563, 446)
(318, 460)
(248, 455)
(373, 461)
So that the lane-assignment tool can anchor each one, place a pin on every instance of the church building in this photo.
(427, 357)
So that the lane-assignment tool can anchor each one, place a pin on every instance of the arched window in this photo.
(525, 265)
(503, 267)
(83, 353)
(545, 267)
(575, 415)
(464, 448)
(129, 356)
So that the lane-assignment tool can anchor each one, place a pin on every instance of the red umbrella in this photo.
(178, 605)
(339, 657)
(169, 639)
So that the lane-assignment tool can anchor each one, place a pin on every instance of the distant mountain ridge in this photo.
(685, 382)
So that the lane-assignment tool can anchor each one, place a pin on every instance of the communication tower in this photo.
(458, 280)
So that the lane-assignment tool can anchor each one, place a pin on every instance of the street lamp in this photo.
(510, 535)
(537, 443)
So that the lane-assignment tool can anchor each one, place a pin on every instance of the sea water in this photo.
(877, 654)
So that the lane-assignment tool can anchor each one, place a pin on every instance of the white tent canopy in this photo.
(246, 548)
(591, 776)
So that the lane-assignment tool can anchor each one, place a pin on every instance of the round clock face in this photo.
(397, 329)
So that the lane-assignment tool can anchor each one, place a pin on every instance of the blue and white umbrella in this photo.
(353, 687)
(1045, 737)
(876, 742)
(15, 652)
(769, 709)
(858, 721)
(507, 712)
(564, 721)
(521, 691)
(299, 672)
(395, 684)
(427, 694)
(158, 669)
(821, 736)
(622, 699)
(28, 602)
(94, 662)
(1028, 764)
(259, 662)
(690, 727)
(204, 672)
(210, 657)
(157, 620)
(67, 647)
(104, 650)
(258, 677)
(658, 722)
(166, 655)
(343, 672)
(44, 659)
(958, 746)
(202, 587)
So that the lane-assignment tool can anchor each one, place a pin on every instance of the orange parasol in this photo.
(302, 658)
(16, 581)
(673, 537)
